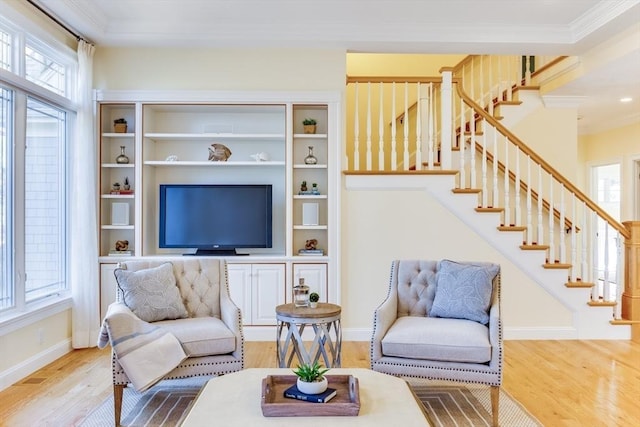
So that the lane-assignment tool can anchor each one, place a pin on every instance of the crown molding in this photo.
(599, 15)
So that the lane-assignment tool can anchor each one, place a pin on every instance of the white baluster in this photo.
(381, 129)
(430, 119)
(461, 145)
(518, 210)
(473, 180)
(617, 314)
(527, 73)
(484, 164)
(446, 122)
(605, 285)
(419, 102)
(481, 97)
(405, 122)
(491, 86)
(529, 213)
(584, 270)
(574, 241)
(496, 195)
(540, 234)
(394, 155)
(368, 153)
(562, 227)
(507, 201)
(356, 131)
(552, 243)
(595, 290)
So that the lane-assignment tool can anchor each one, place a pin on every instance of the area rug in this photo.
(447, 405)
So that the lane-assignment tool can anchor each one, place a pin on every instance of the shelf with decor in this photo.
(117, 148)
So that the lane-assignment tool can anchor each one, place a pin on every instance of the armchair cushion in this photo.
(429, 338)
(464, 291)
(151, 293)
(201, 336)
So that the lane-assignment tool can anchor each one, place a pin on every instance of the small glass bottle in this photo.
(122, 158)
(310, 159)
(301, 294)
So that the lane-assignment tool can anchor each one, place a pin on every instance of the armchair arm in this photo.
(495, 334)
(231, 315)
(383, 318)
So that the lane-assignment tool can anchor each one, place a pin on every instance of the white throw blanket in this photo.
(146, 352)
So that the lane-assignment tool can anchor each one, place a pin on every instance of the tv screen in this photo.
(215, 219)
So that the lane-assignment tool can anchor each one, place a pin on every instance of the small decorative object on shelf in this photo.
(303, 187)
(261, 157)
(311, 248)
(309, 125)
(120, 126)
(301, 294)
(122, 245)
(122, 159)
(311, 378)
(314, 189)
(310, 159)
(115, 186)
(219, 153)
(313, 300)
(171, 158)
(126, 183)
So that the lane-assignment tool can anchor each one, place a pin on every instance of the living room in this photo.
(366, 230)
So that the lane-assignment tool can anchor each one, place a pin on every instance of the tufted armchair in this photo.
(210, 332)
(422, 329)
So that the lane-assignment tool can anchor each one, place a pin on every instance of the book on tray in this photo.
(293, 393)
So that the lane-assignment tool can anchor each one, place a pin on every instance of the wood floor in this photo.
(562, 383)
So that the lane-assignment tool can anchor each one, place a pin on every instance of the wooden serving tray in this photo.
(274, 404)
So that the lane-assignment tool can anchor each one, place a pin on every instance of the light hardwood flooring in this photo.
(562, 383)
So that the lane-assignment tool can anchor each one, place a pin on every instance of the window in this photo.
(34, 142)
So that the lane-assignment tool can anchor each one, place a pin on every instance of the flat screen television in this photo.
(215, 219)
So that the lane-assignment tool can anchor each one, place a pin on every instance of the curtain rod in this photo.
(57, 21)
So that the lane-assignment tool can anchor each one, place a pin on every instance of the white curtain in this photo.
(85, 283)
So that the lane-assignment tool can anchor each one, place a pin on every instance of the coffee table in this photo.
(234, 400)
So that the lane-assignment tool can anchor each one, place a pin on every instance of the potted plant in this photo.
(309, 125)
(311, 379)
(120, 125)
(313, 300)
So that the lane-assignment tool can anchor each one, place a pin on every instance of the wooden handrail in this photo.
(546, 166)
(397, 79)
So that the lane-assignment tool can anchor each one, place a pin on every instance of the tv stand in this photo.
(216, 252)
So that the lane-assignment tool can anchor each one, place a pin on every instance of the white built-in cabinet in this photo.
(257, 289)
(167, 140)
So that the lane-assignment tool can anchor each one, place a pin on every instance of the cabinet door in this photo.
(240, 289)
(267, 286)
(107, 287)
(315, 276)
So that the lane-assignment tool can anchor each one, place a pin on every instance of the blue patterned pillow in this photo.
(464, 290)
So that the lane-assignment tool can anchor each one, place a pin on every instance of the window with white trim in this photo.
(34, 141)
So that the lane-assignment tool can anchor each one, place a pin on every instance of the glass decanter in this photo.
(122, 158)
(310, 159)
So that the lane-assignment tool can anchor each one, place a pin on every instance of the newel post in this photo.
(631, 294)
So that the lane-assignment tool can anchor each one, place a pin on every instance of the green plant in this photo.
(310, 373)
(314, 297)
(117, 121)
(307, 122)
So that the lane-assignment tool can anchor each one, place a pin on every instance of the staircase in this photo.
(402, 137)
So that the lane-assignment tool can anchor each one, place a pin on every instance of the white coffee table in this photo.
(234, 400)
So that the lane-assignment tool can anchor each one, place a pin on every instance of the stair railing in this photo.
(440, 129)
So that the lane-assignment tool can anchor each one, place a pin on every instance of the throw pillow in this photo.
(151, 293)
(463, 291)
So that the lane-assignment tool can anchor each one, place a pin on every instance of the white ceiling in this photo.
(533, 27)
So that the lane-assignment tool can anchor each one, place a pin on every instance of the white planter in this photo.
(312, 388)
(313, 304)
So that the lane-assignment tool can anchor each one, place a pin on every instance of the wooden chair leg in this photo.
(117, 401)
(495, 400)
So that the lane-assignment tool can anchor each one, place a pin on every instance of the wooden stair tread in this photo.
(602, 303)
(579, 284)
(508, 103)
(624, 322)
(534, 247)
(467, 190)
(556, 265)
(489, 210)
(512, 228)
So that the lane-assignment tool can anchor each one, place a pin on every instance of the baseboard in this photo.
(540, 333)
(32, 364)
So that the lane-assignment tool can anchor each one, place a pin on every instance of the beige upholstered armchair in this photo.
(172, 319)
(441, 320)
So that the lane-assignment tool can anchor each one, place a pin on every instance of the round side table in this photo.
(327, 341)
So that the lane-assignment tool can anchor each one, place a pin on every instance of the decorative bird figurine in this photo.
(219, 153)
(260, 157)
